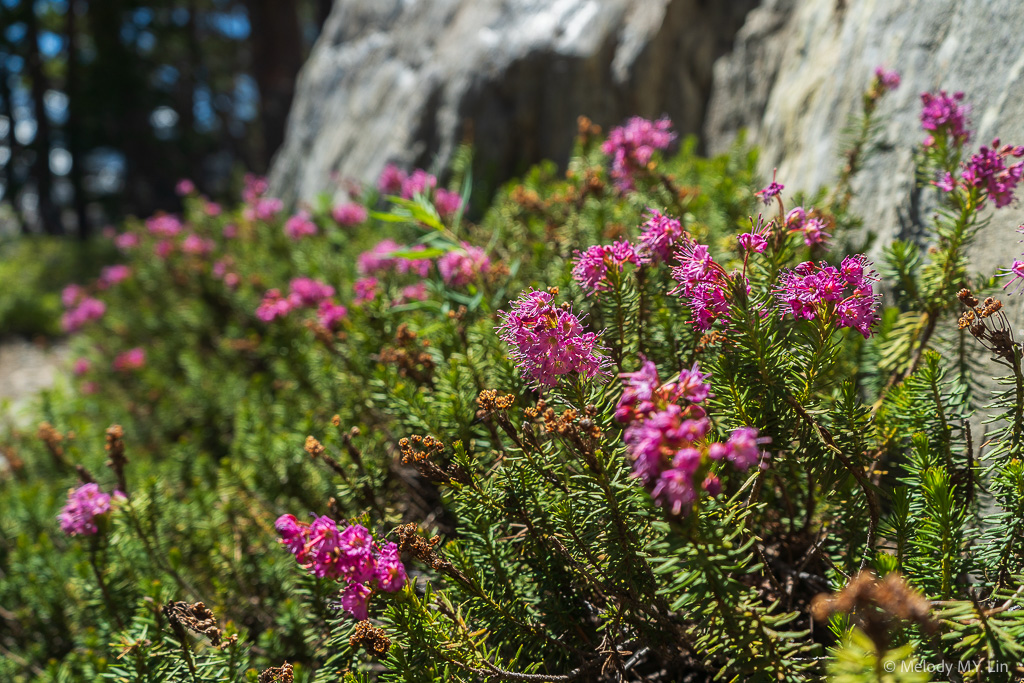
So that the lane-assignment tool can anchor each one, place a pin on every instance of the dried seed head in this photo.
(277, 674)
(314, 447)
(374, 639)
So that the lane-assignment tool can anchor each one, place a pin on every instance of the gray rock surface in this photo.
(408, 80)
(797, 70)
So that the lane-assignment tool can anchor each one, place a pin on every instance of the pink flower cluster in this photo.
(660, 236)
(1015, 271)
(593, 265)
(379, 260)
(164, 225)
(365, 290)
(300, 225)
(844, 295)
(184, 187)
(631, 147)
(394, 180)
(548, 341)
(944, 115)
(703, 283)
(126, 241)
(987, 170)
(258, 206)
(350, 555)
(669, 442)
(129, 360)
(303, 292)
(197, 246)
(887, 80)
(112, 275)
(812, 229)
(447, 202)
(349, 214)
(84, 505)
(768, 194)
(81, 308)
(462, 266)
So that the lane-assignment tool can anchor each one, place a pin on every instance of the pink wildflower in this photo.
(943, 114)
(85, 504)
(365, 290)
(447, 203)
(273, 306)
(196, 245)
(814, 232)
(548, 341)
(660, 235)
(132, 359)
(81, 366)
(349, 214)
(416, 292)
(355, 600)
(305, 291)
(126, 241)
(254, 187)
(87, 310)
(460, 267)
(419, 182)
(631, 147)
(391, 574)
(845, 294)
(1016, 273)
(391, 179)
(703, 283)
(112, 275)
(593, 265)
(329, 314)
(887, 80)
(988, 171)
(164, 225)
(378, 259)
(184, 187)
(71, 295)
(212, 209)
(299, 226)
(769, 193)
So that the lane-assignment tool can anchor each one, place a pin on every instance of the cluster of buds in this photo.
(987, 322)
(196, 617)
(418, 450)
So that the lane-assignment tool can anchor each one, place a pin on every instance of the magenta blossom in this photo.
(129, 360)
(769, 193)
(196, 245)
(85, 504)
(300, 225)
(447, 203)
(184, 187)
(212, 209)
(814, 232)
(887, 80)
(943, 115)
(273, 306)
(462, 266)
(365, 290)
(81, 366)
(420, 267)
(330, 314)
(307, 292)
(845, 295)
(126, 241)
(703, 283)
(71, 295)
(593, 265)
(419, 182)
(549, 341)
(349, 214)
(87, 310)
(356, 599)
(112, 275)
(164, 225)
(391, 179)
(660, 236)
(988, 171)
(416, 292)
(263, 209)
(631, 147)
(378, 259)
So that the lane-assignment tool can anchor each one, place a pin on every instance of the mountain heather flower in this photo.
(814, 232)
(85, 311)
(365, 290)
(391, 179)
(845, 295)
(462, 266)
(669, 443)
(888, 80)
(71, 295)
(329, 314)
(300, 225)
(349, 214)
(129, 360)
(81, 366)
(350, 555)
(943, 115)
(987, 170)
(447, 203)
(164, 225)
(126, 241)
(661, 234)
(377, 259)
(112, 275)
(631, 147)
(768, 194)
(196, 245)
(184, 187)
(416, 292)
(307, 292)
(549, 341)
(418, 182)
(420, 267)
(273, 306)
(263, 209)
(703, 283)
(212, 209)
(593, 265)
(84, 505)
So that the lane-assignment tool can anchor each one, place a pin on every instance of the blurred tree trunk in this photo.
(277, 58)
(72, 127)
(49, 217)
(12, 183)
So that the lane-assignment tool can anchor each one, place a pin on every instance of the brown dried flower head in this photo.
(374, 639)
